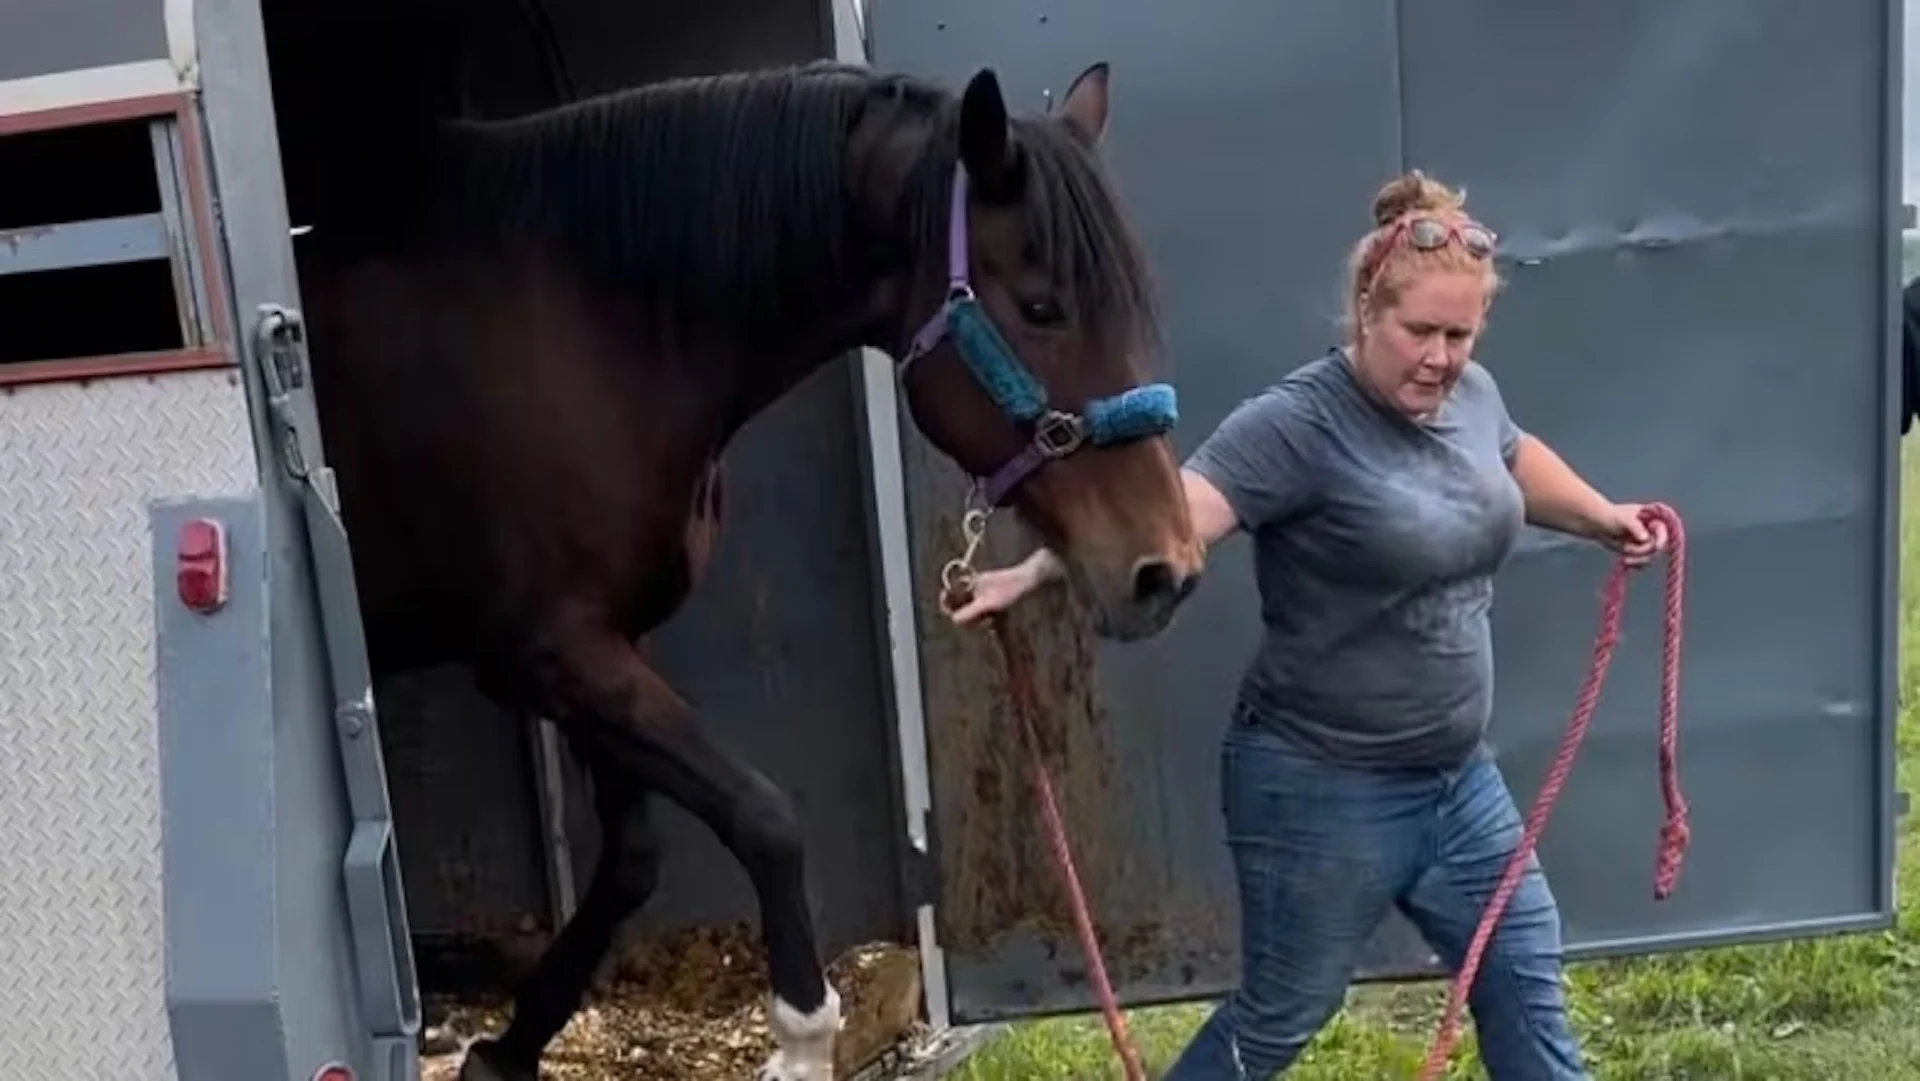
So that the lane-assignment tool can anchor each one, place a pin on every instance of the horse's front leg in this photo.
(620, 711)
(623, 880)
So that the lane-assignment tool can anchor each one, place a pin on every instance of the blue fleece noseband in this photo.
(1137, 413)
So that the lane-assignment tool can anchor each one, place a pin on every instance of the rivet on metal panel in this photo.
(353, 720)
(941, 25)
(1043, 18)
(200, 568)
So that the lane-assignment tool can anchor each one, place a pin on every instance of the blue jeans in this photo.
(1321, 851)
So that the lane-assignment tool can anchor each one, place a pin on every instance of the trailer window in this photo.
(95, 311)
(78, 173)
(97, 256)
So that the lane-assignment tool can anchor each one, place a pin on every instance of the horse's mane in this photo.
(723, 202)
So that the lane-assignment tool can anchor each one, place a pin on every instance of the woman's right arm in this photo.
(1252, 452)
(998, 590)
(1213, 516)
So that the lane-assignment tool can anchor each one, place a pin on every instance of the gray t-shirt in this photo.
(1376, 538)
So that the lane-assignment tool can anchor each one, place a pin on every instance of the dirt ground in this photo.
(690, 1007)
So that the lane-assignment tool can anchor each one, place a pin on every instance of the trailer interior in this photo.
(494, 819)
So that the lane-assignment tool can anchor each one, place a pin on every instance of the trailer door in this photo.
(1698, 214)
(199, 879)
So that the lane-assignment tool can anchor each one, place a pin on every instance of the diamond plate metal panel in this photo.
(82, 989)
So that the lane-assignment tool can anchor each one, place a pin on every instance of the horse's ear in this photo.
(1085, 104)
(986, 146)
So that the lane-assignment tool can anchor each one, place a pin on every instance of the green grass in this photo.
(1831, 1009)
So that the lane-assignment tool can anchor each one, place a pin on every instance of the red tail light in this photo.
(201, 569)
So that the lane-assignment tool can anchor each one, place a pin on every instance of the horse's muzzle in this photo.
(1158, 587)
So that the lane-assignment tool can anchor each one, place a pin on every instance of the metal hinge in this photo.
(920, 870)
(919, 879)
(376, 904)
(280, 350)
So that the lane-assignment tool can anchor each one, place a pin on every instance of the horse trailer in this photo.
(225, 855)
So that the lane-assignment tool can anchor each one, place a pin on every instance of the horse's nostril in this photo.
(1153, 580)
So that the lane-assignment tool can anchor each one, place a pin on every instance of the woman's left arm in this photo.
(1557, 498)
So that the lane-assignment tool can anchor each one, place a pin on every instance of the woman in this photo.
(1383, 485)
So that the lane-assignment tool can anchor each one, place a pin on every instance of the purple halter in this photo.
(1132, 414)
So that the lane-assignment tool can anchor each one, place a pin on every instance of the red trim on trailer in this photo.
(98, 112)
(79, 369)
(212, 255)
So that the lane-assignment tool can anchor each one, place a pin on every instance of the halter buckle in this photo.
(1059, 434)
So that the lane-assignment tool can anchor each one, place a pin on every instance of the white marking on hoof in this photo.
(803, 1042)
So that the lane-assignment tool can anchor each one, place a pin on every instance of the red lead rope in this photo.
(1673, 832)
(1020, 687)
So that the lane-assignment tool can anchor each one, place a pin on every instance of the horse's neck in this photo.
(746, 359)
(766, 376)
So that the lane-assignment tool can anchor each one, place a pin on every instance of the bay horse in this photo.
(533, 339)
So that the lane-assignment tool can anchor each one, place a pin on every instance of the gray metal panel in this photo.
(218, 822)
(183, 240)
(315, 953)
(133, 238)
(66, 35)
(1248, 222)
(463, 807)
(1695, 199)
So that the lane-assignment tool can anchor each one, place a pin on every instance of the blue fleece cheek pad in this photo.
(1136, 413)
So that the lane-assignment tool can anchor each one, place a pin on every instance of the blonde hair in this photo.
(1386, 271)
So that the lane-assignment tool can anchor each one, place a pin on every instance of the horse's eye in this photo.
(1043, 312)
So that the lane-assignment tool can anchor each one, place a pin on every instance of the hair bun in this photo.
(1414, 190)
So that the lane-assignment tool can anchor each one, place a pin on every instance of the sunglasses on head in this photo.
(1427, 233)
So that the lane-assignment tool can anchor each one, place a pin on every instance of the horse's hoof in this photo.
(779, 1068)
(802, 1042)
(478, 1067)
